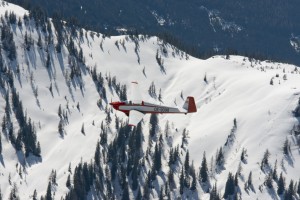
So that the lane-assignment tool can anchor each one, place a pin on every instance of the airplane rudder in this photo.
(192, 105)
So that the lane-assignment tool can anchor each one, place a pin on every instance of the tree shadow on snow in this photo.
(272, 193)
(77, 82)
(290, 160)
(60, 61)
(2, 161)
(205, 186)
(42, 55)
(21, 157)
(32, 160)
(30, 56)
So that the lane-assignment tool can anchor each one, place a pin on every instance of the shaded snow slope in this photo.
(235, 88)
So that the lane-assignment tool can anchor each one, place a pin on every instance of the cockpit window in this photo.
(127, 102)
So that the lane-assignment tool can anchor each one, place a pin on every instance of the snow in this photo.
(216, 20)
(4, 6)
(235, 88)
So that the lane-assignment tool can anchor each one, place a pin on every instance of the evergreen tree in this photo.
(298, 188)
(59, 111)
(125, 195)
(8, 43)
(184, 138)
(138, 136)
(161, 194)
(153, 124)
(108, 117)
(48, 62)
(171, 179)
(194, 182)
(194, 178)
(187, 170)
(236, 180)
(19, 22)
(286, 147)
(97, 154)
(18, 143)
(220, 158)
(38, 150)
(275, 176)
(281, 185)
(160, 96)
(0, 145)
(205, 78)
(157, 158)
(9, 179)
(80, 56)
(11, 135)
(290, 193)
(234, 123)
(271, 81)
(147, 187)
(49, 194)
(152, 90)
(123, 93)
(181, 181)
(39, 43)
(117, 122)
(61, 128)
(68, 183)
(244, 155)
(269, 179)
(203, 170)
(265, 160)
(82, 129)
(70, 169)
(4, 122)
(135, 174)
(53, 177)
(14, 193)
(34, 196)
(214, 195)
(230, 186)
(139, 194)
(249, 181)
(239, 169)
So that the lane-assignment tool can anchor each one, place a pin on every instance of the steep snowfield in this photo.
(235, 88)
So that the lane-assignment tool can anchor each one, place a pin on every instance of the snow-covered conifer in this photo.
(203, 170)
(230, 186)
(281, 185)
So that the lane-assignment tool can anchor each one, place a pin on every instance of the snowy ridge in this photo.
(235, 88)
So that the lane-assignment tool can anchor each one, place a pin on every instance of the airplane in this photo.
(136, 109)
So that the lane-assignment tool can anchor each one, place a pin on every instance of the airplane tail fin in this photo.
(190, 105)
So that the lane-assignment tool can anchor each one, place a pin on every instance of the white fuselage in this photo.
(145, 107)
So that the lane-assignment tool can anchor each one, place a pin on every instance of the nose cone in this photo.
(116, 105)
(113, 104)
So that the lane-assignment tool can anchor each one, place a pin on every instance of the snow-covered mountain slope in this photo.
(260, 95)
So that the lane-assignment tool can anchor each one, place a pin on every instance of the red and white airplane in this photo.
(136, 109)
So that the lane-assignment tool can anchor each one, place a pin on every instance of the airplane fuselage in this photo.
(143, 107)
(137, 109)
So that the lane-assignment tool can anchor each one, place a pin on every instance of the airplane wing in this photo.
(135, 117)
(136, 96)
